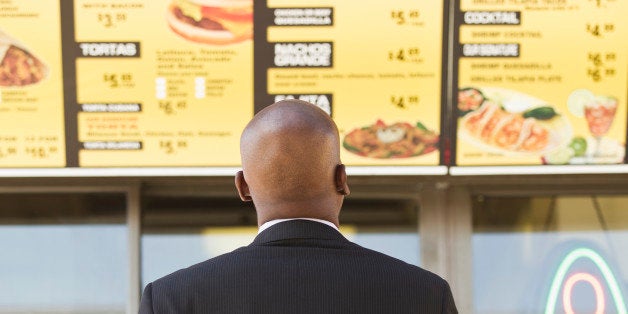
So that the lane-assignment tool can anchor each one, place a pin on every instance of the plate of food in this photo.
(385, 141)
(509, 122)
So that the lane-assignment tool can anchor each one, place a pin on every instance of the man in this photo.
(299, 262)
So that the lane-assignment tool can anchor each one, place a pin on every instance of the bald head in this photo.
(291, 163)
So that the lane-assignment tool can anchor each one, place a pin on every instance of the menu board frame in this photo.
(537, 170)
(71, 110)
(199, 172)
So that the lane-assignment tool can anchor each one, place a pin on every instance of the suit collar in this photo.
(268, 224)
(298, 229)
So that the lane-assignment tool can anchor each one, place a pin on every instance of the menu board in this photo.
(376, 68)
(172, 83)
(162, 83)
(541, 82)
(31, 85)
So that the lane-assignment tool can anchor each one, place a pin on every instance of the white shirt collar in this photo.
(268, 224)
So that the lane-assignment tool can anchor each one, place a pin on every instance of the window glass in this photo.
(164, 253)
(550, 254)
(63, 253)
(401, 243)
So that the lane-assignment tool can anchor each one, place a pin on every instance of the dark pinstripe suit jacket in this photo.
(299, 266)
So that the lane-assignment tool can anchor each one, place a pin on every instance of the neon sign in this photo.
(597, 287)
(564, 266)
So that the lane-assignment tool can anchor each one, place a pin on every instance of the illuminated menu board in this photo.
(172, 83)
(162, 83)
(540, 82)
(31, 85)
(376, 68)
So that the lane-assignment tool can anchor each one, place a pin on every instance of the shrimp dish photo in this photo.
(503, 121)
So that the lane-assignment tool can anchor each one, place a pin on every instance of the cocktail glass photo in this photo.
(600, 113)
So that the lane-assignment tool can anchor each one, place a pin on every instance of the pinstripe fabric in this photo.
(299, 266)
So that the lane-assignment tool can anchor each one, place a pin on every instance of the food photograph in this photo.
(594, 145)
(397, 140)
(19, 66)
(511, 123)
(212, 22)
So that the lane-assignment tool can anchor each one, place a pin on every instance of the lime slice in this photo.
(577, 100)
(579, 146)
(560, 157)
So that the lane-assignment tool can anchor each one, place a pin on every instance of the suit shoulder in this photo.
(414, 271)
(190, 276)
(395, 273)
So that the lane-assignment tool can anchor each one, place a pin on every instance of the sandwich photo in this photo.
(214, 22)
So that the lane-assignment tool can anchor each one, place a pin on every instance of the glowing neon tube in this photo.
(600, 302)
(601, 265)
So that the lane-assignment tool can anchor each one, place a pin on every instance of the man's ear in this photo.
(243, 187)
(340, 179)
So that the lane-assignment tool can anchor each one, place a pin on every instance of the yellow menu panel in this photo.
(542, 82)
(160, 83)
(31, 84)
(376, 67)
